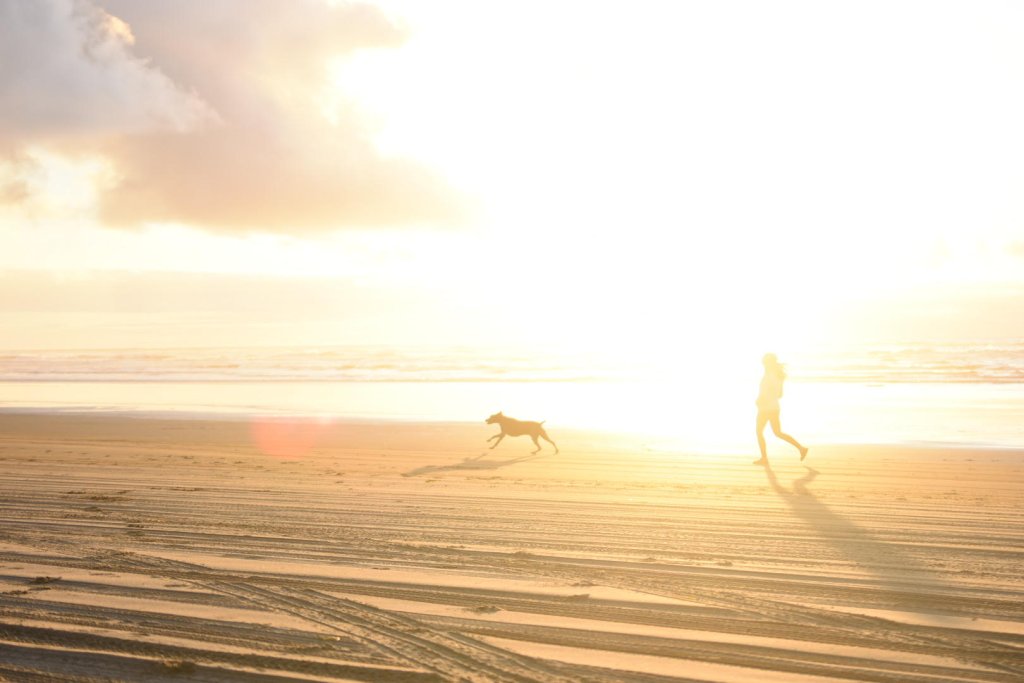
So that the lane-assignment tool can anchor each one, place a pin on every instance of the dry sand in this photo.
(144, 549)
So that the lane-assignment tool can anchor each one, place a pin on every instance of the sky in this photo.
(677, 176)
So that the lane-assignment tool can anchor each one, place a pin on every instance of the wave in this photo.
(357, 364)
(922, 363)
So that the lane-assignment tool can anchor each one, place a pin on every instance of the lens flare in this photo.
(287, 438)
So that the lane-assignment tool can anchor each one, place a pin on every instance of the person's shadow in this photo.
(476, 463)
(901, 576)
(903, 583)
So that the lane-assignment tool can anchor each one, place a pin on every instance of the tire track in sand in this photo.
(411, 642)
(977, 651)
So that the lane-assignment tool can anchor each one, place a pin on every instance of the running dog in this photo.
(511, 427)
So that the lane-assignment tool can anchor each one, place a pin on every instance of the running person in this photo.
(768, 406)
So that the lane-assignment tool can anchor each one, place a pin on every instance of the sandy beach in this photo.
(172, 549)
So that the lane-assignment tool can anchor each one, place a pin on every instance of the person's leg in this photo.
(777, 430)
(762, 420)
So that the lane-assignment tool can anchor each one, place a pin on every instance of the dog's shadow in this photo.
(468, 464)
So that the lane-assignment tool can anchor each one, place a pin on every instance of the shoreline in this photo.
(111, 415)
(678, 416)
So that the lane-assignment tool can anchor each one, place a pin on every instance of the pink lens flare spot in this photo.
(287, 438)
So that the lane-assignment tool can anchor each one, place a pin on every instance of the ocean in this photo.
(969, 393)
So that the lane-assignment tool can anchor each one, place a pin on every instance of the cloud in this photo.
(67, 70)
(14, 185)
(211, 114)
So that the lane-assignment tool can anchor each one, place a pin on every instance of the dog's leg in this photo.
(548, 439)
(494, 437)
(500, 437)
(535, 443)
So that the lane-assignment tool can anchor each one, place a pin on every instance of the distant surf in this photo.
(964, 362)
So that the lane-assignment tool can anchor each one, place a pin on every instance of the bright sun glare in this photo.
(623, 188)
(681, 185)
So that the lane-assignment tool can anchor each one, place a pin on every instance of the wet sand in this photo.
(148, 549)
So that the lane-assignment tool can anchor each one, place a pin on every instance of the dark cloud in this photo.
(211, 113)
